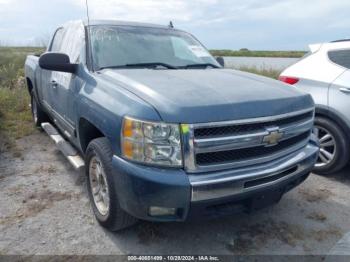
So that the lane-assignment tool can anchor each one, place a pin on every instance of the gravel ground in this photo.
(44, 209)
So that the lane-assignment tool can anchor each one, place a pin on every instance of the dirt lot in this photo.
(44, 209)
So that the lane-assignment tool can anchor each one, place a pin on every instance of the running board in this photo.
(64, 146)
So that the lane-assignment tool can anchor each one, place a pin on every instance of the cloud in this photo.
(340, 24)
(271, 24)
(24, 21)
(147, 10)
(300, 10)
(5, 2)
(214, 11)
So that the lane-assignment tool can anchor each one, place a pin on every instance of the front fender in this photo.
(104, 105)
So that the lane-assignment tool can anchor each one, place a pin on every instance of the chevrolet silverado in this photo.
(163, 131)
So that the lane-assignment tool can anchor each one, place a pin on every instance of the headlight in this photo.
(151, 142)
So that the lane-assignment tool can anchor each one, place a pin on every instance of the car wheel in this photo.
(101, 187)
(334, 146)
(39, 116)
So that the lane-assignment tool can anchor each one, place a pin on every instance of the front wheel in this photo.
(334, 146)
(101, 187)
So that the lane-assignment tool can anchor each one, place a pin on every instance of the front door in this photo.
(46, 75)
(64, 86)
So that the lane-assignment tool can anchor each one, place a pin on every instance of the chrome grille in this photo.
(247, 153)
(246, 128)
(230, 144)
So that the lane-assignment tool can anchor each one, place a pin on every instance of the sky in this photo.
(219, 24)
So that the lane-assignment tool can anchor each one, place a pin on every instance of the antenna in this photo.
(89, 35)
(87, 11)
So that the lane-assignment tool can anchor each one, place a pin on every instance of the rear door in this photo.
(339, 91)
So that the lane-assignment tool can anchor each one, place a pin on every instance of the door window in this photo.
(73, 40)
(57, 41)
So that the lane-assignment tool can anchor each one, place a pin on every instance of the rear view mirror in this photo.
(57, 62)
(220, 60)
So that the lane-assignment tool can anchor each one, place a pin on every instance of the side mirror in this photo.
(57, 62)
(220, 60)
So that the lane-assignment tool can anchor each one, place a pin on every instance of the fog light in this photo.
(162, 211)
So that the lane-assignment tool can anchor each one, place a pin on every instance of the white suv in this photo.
(325, 73)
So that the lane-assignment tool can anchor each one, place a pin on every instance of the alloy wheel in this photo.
(34, 110)
(99, 185)
(328, 146)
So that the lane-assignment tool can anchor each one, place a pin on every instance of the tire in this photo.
(339, 152)
(39, 116)
(108, 213)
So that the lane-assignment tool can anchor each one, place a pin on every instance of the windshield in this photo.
(117, 46)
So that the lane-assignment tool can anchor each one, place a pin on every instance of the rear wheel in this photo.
(101, 187)
(334, 146)
(39, 116)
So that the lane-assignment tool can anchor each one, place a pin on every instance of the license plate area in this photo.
(265, 199)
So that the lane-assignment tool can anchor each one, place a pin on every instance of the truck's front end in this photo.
(218, 141)
(174, 172)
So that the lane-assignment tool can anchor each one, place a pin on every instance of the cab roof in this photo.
(124, 23)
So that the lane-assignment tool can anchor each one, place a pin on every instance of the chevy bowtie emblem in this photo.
(273, 137)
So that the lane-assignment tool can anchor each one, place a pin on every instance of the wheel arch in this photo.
(87, 132)
(30, 85)
(334, 116)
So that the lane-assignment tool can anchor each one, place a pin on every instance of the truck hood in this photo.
(199, 96)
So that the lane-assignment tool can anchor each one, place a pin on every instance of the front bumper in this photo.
(208, 194)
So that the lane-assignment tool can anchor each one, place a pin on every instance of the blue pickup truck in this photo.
(163, 131)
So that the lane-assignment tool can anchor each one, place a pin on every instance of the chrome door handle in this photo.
(345, 90)
(54, 83)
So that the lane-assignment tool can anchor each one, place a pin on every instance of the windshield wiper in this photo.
(142, 65)
(203, 65)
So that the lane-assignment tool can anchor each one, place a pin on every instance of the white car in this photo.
(325, 73)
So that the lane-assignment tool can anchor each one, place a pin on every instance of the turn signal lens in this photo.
(132, 129)
(133, 150)
(127, 148)
(127, 131)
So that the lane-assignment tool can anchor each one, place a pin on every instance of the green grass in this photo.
(12, 64)
(250, 53)
(268, 72)
(15, 116)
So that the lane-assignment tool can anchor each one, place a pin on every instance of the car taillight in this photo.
(289, 80)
